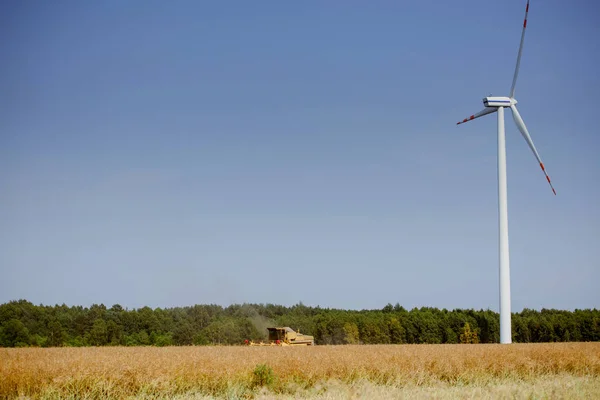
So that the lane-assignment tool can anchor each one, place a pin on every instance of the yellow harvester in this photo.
(285, 336)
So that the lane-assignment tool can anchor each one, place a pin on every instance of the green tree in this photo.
(184, 334)
(143, 338)
(388, 308)
(373, 330)
(161, 340)
(114, 333)
(14, 334)
(351, 333)
(397, 332)
(23, 323)
(56, 334)
(520, 328)
(37, 340)
(450, 336)
(98, 335)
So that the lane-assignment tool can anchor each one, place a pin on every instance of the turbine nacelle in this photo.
(496, 101)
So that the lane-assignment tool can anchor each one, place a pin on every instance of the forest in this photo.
(23, 324)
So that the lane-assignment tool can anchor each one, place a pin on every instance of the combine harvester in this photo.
(285, 336)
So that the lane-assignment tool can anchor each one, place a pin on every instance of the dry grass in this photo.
(319, 372)
(554, 387)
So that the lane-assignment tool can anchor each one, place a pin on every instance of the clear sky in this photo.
(177, 153)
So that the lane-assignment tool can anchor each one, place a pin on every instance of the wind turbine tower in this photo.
(492, 105)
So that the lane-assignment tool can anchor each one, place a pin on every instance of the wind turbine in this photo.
(492, 105)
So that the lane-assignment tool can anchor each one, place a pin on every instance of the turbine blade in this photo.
(514, 82)
(525, 133)
(485, 111)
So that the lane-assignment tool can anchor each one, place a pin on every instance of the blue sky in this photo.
(174, 153)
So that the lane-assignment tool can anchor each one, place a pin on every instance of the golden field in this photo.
(548, 370)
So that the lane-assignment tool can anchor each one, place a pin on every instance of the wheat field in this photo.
(552, 370)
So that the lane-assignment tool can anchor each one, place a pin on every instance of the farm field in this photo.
(545, 370)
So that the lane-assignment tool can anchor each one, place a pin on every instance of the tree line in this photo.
(24, 324)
